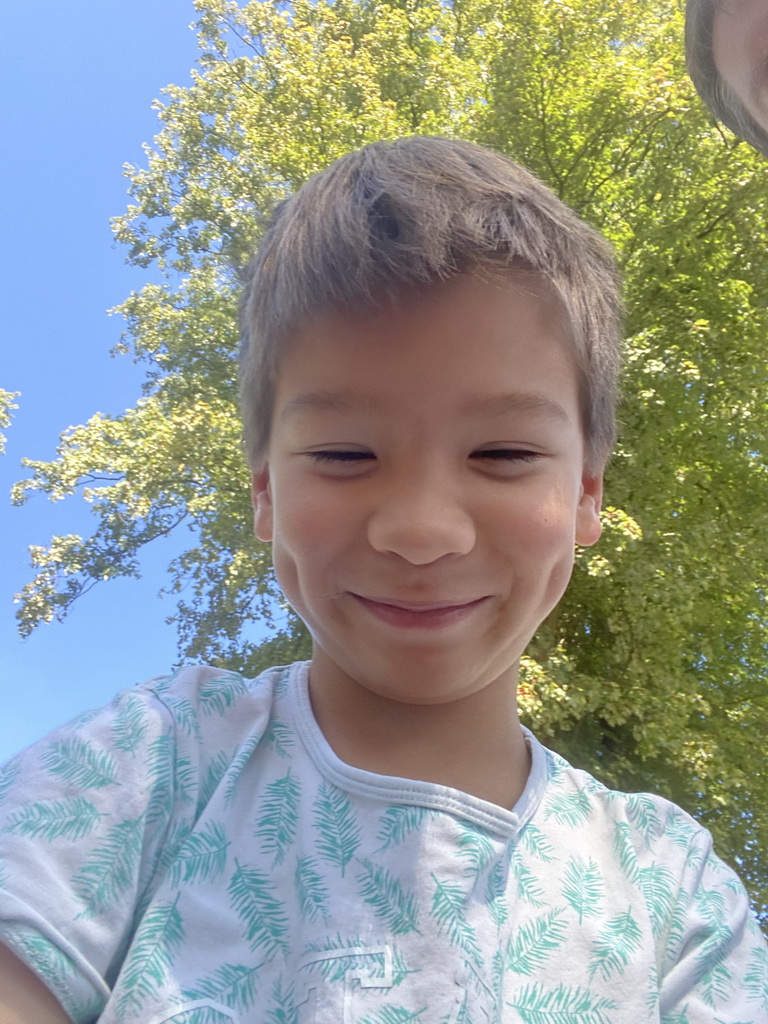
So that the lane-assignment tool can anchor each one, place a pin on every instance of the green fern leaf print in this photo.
(219, 694)
(615, 945)
(385, 894)
(50, 820)
(656, 883)
(8, 775)
(534, 942)
(279, 818)
(711, 906)
(496, 894)
(570, 809)
(161, 684)
(261, 911)
(338, 833)
(231, 984)
(676, 1018)
(677, 926)
(58, 968)
(566, 1004)
(278, 735)
(311, 890)
(583, 887)
(149, 958)
(715, 983)
(111, 870)
(476, 848)
(176, 837)
(556, 766)
(205, 1014)
(528, 888)
(76, 761)
(643, 813)
(449, 911)
(756, 978)
(535, 842)
(333, 969)
(678, 828)
(239, 761)
(203, 856)
(283, 1009)
(214, 773)
(393, 1015)
(184, 714)
(463, 1017)
(130, 724)
(397, 823)
(170, 775)
(624, 850)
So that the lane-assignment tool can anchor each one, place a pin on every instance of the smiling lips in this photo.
(414, 615)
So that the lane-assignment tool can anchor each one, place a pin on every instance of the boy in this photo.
(726, 47)
(428, 380)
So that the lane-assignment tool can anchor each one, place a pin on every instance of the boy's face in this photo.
(425, 486)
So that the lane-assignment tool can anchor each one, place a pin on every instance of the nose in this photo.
(421, 522)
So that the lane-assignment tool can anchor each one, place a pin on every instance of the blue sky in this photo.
(76, 88)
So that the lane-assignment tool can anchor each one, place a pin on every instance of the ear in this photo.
(588, 525)
(261, 497)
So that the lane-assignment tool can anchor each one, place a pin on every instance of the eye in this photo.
(334, 455)
(341, 462)
(506, 455)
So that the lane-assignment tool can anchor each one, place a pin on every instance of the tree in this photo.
(6, 405)
(652, 671)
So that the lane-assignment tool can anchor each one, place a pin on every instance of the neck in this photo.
(474, 744)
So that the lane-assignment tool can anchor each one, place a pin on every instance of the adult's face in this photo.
(740, 47)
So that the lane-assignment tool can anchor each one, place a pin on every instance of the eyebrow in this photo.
(494, 405)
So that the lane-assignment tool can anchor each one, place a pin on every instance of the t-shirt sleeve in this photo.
(716, 958)
(87, 817)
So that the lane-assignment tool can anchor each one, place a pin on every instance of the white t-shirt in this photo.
(195, 853)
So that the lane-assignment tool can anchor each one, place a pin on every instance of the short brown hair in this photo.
(413, 212)
(700, 58)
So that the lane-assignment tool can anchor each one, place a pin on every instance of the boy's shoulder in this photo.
(642, 838)
(574, 797)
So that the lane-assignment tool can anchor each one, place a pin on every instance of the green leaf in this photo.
(583, 887)
(533, 942)
(449, 904)
(258, 906)
(111, 870)
(311, 890)
(160, 935)
(566, 1004)
(203, 856)
(70, 819)
(339, 834)
(79, 763)
(390, 902)
(231, 984)
(398, 822)
(129, 726)
(278, 817)
(615, 945)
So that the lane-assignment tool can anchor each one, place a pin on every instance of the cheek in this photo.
(310, 534)
(541, 535)
(544, 521)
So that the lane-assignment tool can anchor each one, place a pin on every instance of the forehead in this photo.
(460, 341)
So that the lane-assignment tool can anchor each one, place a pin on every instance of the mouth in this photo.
(419, 615)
